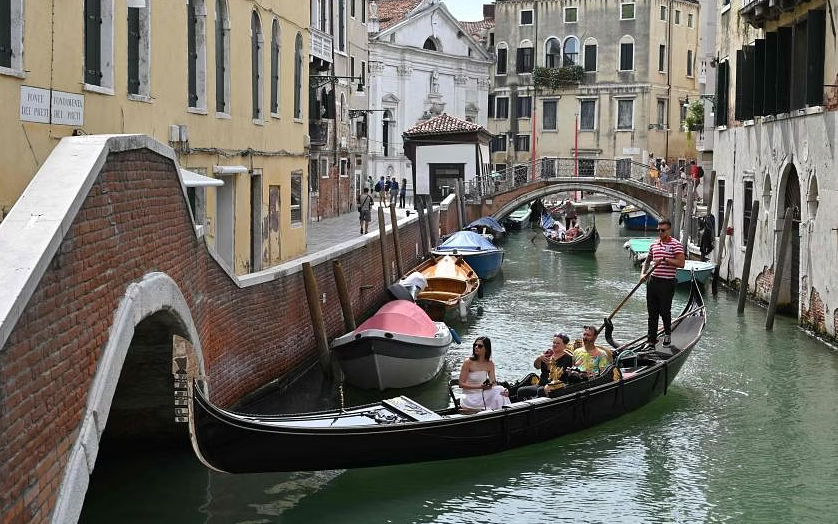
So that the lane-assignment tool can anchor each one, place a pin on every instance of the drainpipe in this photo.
(668, 79)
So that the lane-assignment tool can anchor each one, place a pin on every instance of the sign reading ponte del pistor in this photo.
(36, 105)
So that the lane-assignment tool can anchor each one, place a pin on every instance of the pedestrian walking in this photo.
(364, 207)
(402, 192)
(379, 189)
(394, 192)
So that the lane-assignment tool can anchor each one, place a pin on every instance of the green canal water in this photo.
(746, 434)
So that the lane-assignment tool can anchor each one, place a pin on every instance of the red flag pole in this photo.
(576, 149)
(532, 168)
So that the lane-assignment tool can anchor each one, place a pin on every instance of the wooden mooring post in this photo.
(721, 245)
(382, 242)
(749, 253)
(423, 232)
(779, 265)
(343, 296)
(319, 328)
(394, 222)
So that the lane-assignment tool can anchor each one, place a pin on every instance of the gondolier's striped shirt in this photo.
(660, 250)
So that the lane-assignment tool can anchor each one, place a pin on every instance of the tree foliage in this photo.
(558, 77)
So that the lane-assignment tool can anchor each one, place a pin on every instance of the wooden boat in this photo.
(488, 227)
(482, 255)
(586, 242)
(399, 430)
(451, 286)
(638, 248)
(633, 218)
(519, 219)
(398, 347)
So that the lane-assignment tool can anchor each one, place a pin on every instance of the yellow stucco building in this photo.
(223, 82)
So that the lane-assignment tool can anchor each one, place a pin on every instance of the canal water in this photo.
(746, 434)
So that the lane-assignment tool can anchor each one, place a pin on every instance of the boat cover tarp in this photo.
(488, 222)
(403, 317)
(641, 245)
(466, 241)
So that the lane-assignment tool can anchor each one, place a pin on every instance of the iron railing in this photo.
(547, 168)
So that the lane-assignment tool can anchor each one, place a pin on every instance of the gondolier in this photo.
(661, 284)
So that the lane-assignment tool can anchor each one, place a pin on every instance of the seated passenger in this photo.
(478, 381)
(572, 233)
(552, 364)
(590, 359)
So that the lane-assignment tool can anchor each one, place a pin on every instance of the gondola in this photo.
(399, 430)
(586, 242)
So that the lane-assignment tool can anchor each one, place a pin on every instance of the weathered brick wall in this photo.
(335, 195)
(135, 220)
(763, 284)
(812, 313)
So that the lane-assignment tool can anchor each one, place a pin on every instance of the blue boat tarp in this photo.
(466, 241)
(487, 222)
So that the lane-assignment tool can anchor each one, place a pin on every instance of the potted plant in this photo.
(695, 117)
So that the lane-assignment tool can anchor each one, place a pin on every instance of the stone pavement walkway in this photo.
(329, 232)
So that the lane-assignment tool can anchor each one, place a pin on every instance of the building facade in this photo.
(593, 80)
(338, 103)
(422, 64)
(221, 81)
(776, 118)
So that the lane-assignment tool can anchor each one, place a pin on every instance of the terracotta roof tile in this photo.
(391, 12)
(443, 124)
(474, 28)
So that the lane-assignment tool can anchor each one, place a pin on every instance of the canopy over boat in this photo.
(486, 222)
(464, 241)
(400, 316)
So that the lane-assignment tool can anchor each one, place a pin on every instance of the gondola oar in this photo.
(623, 302)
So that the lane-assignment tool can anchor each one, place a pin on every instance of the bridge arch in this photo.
(577, 185)
(157, 294)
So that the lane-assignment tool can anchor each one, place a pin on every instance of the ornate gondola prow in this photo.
(608, 326)
(451, 383)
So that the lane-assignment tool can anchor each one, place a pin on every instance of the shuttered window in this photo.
(798, 71)
(747, 208)
(275, 42)
(221, 70)
(783, 65)
(722, 78)
(744, 108)
(5, 33)
(491, 107)
(769, 94)
(626, 56)
(298, 76)
(815, 57)
(590, 57)
(256, 65)
(93, 42)
(134, 50)
(758, 83)
(192, 53)
(500, 68)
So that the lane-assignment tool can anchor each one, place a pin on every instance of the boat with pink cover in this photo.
(398, 347)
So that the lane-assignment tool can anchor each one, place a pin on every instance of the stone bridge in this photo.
(110, 291)
(619, 179)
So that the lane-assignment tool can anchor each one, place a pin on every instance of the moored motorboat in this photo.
(634, 218)
(482, 255)
(694, 268)
(519, 219)
(488, 227)
(398, 347)
(451, 286)
(638, 248)
(399, 430)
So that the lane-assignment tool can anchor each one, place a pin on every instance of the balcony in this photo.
(758, 12)
(321, 45)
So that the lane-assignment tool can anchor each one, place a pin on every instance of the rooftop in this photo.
(442, 124)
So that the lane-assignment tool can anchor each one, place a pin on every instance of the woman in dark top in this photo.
(553, 364)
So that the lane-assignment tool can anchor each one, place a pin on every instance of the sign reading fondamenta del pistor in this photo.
(66, 108)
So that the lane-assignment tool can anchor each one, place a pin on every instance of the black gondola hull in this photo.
(588, 242)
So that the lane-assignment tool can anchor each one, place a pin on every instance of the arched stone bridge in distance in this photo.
(501, 199)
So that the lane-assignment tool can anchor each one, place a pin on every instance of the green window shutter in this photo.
(93, 42)
(816, 42)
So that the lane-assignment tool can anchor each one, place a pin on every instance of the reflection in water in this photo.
(745, 434)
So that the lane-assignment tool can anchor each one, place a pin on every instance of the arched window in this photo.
(429, 44)
(385, 131)
(571, 52)
(590, 55)
(196, 49)
(222, 57)
(525, 60)
(276, 45)
(626, 53)
(501, 52)
(256, 67)
(552, 53)
(298, 76)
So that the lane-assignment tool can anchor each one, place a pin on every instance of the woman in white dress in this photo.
(478, 381)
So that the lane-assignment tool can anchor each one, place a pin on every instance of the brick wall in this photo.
(135, 220)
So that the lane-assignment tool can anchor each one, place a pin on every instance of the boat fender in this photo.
(454, 335)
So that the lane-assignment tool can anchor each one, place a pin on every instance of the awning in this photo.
(193, 179)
